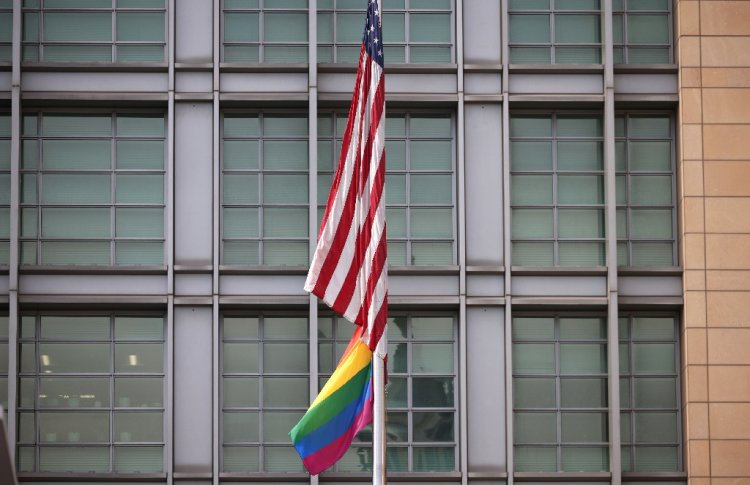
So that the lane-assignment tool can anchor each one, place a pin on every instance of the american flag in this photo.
(348, 270)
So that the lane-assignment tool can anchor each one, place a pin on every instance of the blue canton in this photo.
(373, 36)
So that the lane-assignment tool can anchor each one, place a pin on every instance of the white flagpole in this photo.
(378, 418)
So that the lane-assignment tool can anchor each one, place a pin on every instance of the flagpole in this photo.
(379, 437)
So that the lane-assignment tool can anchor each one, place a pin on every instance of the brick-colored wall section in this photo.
(713, 50)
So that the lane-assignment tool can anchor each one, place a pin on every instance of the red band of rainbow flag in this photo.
(343, 407)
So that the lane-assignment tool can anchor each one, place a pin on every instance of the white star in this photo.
(375, 40)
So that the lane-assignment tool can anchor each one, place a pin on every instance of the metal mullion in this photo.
(558, 396)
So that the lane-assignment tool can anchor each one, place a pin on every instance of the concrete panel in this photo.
(262, 82)
(194, 82)
(262, 285)
(486, 389)
(418, 285)
(192, 284)
(485, 285)
(555, 84)
(559, 286)
(194, 31)
(482, 37)
(193, 183)
(127, 82)
(193, 389)
(646, 83)
(483, 83)
(650, 285)
(484, 183)
(92, 284)
(396, 83)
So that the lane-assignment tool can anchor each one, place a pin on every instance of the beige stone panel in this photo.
(728, 214)
(728, 383)
(696, 384)
(688, 18)
(694, 279)
(728, 280)
(691, 179)
(725, 51)
(725, 77)
(728, 308)
(728, 346)
(692, 215)
(698, 481)
(696, 421)
(727, 251)
(689, 51)
(730, 458)
(725, 18)
(690, 77)
(698, 458)
(726, 105)
(730, 481)
(695, 346)
(690, 105)
(726, 142)
(693, 251)
(695, 309)
(691, 139)
(725, 178)
(730, 420)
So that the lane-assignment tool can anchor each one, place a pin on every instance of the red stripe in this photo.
(378, 263)
(364, 234)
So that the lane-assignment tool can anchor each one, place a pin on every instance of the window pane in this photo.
(241, 222)
(577, 29)
(651, 190)
(244, 459)
(580, 189)
(653, 254)
(429, 155)
(139, 357)
(534, 358)
(143, 189)
(429, 223)
(582, 254)
(533, 328)
(285, 189)
(73, 392)
(140, 26)
(649, 126)
(530, 155)
(70, 357)
(240, 357)
(655, 392)
(580, 156)
(75, 327)
(285, 358)
(76, 189)
(529, 29)
(79, 252)
(531, 189)
(579, 224)
(139, 392)
(651, 224)
(431, 189)
(88, 427)
(430, 27)
(138, 427)
(534, 428)
(654, 358)
(142, 459)
(432, 358)
(532, 254)
(533, 393)
(535, 459)
(431, 253)
(589, 459)
(78, 26)
(133, 222)
(241, 27)
(584, 427)
(583, 393)
(285, 27)
(579, 126)
(240, 189)
(656, 459)
(77, 154)
(240, 392)
(433, 392)
(240, 427)
(583, 359)
(82, 459)
(141, 154)
(651, 156)
(285, 222)
(532, 223)
(658, 427)
(648, 29)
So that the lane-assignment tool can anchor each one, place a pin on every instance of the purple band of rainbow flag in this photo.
(343, 407)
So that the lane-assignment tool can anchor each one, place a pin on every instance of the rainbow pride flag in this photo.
(343, 407)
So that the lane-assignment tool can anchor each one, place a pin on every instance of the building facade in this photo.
(565, 189)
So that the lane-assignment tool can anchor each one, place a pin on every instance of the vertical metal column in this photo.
(505, 128)
(312, 147)
(461, 224)
(13, 260)
(215, 337)
(169, 408)
(613, 362)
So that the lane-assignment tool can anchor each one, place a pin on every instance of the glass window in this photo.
(4, 364)
(265, 390)
(554, 32)
(416, 31)
(91, 393)
(5, 135)
(422, 392)
(6, 31)
(557, 190)
(94, 31)
(645, 190)
(560, 394)
(642, 31)
(265, 189)
(650, 420)
(265, 31)
(92, 188)
(420, 184)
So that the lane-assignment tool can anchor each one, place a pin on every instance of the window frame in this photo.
(35, 174)
(627, 206)
(629, 377)
(408, 240)
(5, 239)
(111, 375)
(558, 376)
(114, 10)
(555, 173)
(623, 12)
(261, 239)
(261, 43)
(261, 445)
(406, 44)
